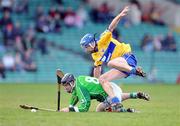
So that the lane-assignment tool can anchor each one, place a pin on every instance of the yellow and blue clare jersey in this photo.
(109, 48)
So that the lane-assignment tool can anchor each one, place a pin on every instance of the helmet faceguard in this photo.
(68, 79)
(89, 40)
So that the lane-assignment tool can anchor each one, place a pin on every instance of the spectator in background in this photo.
(153, 15)
(2, 71)
(70, 17)
(56, 26)
(101, 14)
(6, 5)
(29, 39)
(39, 12)
(94, 14)
(54, 20)
(22, 6)
(134, 14)
(104, 13)
(18, 61)
(19, 44)
(2, 47)
(157, 41)
(43, 24)
(18, 31)
(8, 36)
(28, 63)
(8, 62)
(42, 46)
(147, 43)
(169, 43)
(52, 12)
(136, 2)
(5, 20)
(60, 10)
(81, 16)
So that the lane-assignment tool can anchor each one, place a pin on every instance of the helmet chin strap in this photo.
(72, 86)
(94, 46)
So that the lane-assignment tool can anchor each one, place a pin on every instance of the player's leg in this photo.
(118, 93)
(102, 107)
(135, 95)
(127, 63)
(106, 105)
(120, 63)
(105, 79)
(124, 96)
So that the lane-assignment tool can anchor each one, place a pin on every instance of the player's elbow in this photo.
(85, 108)
(110, 28)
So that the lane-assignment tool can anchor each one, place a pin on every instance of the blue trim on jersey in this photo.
(108, 53)
(131, 60)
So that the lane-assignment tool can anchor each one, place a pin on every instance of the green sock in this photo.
(133, 95)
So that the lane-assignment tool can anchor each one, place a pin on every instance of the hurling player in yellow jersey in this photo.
(118, 56)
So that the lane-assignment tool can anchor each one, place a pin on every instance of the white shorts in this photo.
(117, 91)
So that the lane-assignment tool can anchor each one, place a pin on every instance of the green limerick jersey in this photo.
(87, 88)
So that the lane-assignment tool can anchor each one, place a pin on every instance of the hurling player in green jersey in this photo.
(86, 88)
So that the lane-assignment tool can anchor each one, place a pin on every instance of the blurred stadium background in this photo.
(39, 36)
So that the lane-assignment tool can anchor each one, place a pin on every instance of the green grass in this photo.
(162, 110)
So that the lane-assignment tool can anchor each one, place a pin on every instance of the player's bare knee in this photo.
(102, 80)
(111, 64)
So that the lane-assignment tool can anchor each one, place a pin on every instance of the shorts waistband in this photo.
(129, 53)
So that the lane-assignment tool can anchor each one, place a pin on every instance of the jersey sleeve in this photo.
(97, 63)
(105, 38)
(96, 59)
(84, 99)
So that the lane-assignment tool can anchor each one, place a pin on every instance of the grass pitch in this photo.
(162, 110)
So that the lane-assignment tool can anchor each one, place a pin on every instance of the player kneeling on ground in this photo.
(86, 88)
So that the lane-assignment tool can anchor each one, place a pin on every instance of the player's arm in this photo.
(97, 71)
(97, 65)
(100, 107)
(83, 98)
(116, 20)
(74, 99)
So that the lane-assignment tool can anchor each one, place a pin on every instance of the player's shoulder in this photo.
(106, 31)
(81, 77)
(79, 81)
